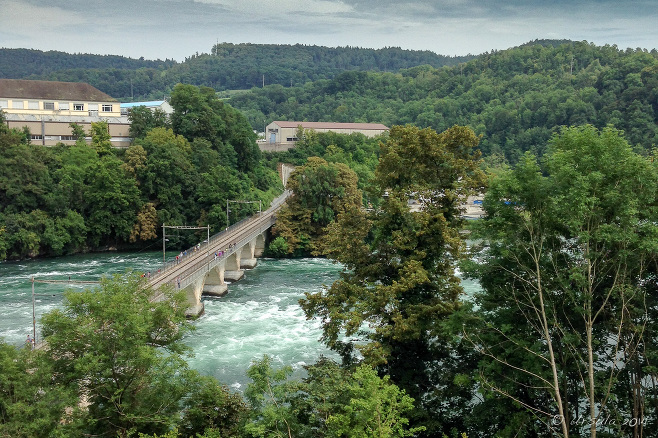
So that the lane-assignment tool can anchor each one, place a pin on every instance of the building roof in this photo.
(51, 90)
(147, 104)
(333, 125)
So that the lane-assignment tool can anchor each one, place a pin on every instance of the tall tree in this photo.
(143, 119)
(567, 274)
(123, 351)
(399, 283)
(200, 114)
(320, 192)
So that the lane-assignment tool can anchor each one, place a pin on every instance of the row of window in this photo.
(54, 137)
(19, 104)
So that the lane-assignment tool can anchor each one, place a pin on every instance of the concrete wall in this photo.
(279, 138)
(60, 107)
(49, 131)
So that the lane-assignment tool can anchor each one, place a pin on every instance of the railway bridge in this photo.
(222, 257)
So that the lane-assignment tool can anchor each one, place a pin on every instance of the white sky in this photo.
(179, 28)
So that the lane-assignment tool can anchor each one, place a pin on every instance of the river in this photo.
(260, 315)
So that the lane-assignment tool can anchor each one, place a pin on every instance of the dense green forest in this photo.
(227, 67)
(560, 340)
(516, 99)
(67, 199)
(23, 63)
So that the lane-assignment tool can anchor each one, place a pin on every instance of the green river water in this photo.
(260, 315)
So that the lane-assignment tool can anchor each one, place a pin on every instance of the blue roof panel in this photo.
(134, 104)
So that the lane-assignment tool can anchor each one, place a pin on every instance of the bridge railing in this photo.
(192, 252)
(199, 268)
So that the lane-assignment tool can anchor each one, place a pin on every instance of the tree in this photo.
(212, 407)
(376, 408)
(329, 402)
(100, 138)
(111, 202)
(196, 117)
(122, 350)
(399, 282)
(200, 114)
(31, 405)
(79, 133)
(567, 273)
(143, 119)
(269, 396)
(320, 192)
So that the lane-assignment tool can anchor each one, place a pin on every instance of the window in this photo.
(4, 104)
(291, 139)
(49, 106)
(64, 106)
(78, 107)
(17, 104)
(106, 108)
(67, 137)
(36, 137)
(33, 104)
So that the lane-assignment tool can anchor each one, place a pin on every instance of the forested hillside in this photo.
(25, 63)
(515, 98)
(228, 67)
(72, 198)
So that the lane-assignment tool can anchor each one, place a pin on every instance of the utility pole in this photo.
(34, 317)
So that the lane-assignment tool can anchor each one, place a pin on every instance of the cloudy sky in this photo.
(179, 28)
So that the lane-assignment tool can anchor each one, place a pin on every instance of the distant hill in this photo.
(227, 67)
(28, 63)
(516, 98)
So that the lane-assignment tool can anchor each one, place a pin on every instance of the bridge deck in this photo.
(201, 259)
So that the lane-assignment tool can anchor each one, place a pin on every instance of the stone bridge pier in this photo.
(229, 267)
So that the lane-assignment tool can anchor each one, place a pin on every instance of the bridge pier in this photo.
(232, 271)
(259, 245)
(193, 293)
(214, 283)
(247, 257)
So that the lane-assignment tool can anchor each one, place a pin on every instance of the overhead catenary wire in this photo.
(50, 281)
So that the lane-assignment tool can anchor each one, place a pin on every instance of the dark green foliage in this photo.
(31, 405)
(66, 199)
(320, 192)
(329, 402)
(199, 114)
(123, 351)
(143, 119)
(278, 248)
(568, 274)
(228, 67)
(212, 407)
(21, 63)
(516, 98)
